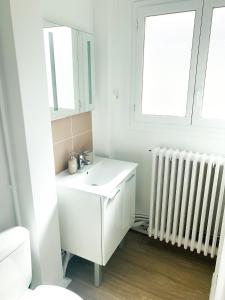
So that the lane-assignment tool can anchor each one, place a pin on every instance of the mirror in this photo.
(69, 57)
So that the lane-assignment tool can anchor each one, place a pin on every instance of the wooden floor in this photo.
(145, 269)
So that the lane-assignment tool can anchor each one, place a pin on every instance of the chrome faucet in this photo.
(82, 160)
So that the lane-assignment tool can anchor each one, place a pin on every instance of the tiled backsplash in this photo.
(71, 134)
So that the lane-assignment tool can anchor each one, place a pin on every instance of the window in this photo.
(180, 62)
(214, 93)
(209, 106)
(167, 56)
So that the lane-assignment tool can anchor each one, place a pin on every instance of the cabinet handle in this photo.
(132, 176)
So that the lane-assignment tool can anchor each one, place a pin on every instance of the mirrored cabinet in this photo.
(86, 73)
(69, 57)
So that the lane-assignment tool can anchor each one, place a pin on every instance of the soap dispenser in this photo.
(72, 163)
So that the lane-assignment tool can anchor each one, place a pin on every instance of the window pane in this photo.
(167, 57)
(214, 93)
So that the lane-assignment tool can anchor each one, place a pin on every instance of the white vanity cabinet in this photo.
(92, 227)
(96, 208)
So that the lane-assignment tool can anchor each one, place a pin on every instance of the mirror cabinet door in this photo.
(50, 69)
(86, 62)
(61, 51)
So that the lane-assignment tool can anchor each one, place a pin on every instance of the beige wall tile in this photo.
(83, 142)
(61, 129)
(81, 123)
(61, 154)
(71, 134)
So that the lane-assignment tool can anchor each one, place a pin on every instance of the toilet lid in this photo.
(51, 292)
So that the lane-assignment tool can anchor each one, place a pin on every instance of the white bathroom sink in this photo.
(99, 178)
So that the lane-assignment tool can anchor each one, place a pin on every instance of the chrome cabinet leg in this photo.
(97, 275)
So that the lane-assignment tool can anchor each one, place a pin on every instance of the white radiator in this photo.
(187, 199)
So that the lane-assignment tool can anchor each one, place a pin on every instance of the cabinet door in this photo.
(129, 203)
(65, 45)
(80, 223)
(61, 51)
(112, 226)
(86, 70)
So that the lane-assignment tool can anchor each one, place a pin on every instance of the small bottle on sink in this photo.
(72, 163)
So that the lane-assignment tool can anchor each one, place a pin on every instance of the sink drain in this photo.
(95, 184)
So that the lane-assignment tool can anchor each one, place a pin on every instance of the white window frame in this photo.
(197, 119)
(144, 9)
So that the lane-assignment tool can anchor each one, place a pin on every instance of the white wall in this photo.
(7, 215)
(25, 95)
(128, 142)
(74, 13)
(101, 114)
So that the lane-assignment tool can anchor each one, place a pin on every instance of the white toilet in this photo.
(15, 270)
